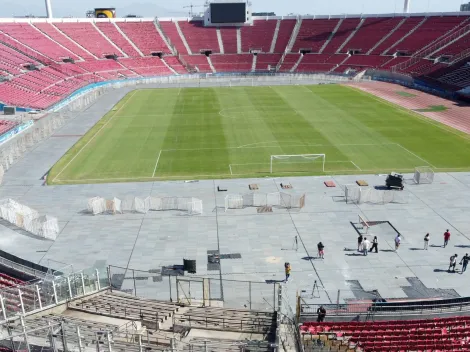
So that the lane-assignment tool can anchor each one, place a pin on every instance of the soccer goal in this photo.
(423, 174)
(298, 163)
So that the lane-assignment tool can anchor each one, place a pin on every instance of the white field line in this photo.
(230, 167)
(93, 137)
(294, 145)
(156, 164)
(416, 156)
(352, 162)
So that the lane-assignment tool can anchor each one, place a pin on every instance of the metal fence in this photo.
(50, 291)
(175, 285)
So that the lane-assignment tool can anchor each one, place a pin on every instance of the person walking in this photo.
(453, 263)
(446, 238)
(321, 252)
(365, 246)
(426, 241)
(287, 269)
(375, 245)
(359, 243)
(321, 314)
(464, 262)
(397, 242)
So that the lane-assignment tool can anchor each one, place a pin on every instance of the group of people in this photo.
(464, 262)
(365, 246)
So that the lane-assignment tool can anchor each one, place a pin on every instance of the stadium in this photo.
(231, 181)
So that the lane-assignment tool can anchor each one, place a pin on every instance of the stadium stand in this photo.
(444, 335)
(34, 74)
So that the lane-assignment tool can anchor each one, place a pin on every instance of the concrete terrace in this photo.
(264, 241)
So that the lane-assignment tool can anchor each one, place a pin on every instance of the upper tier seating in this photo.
(313, 34)
(283, 37)
(371, 32)
(145, 36)
(443, 335)
(232, 63)
(456, 47)
(170, 30)
(259, 36)
(229, 39)
(111, 31)
(86, 35)
(73, 49)
(198, 37)
(432, 29)
(36, 40)
(344, 31)
(407, 26)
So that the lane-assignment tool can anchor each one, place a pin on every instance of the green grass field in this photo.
(198, 133)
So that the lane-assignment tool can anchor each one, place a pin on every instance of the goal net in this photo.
(278, 199)
(298, 163)
(423, 175)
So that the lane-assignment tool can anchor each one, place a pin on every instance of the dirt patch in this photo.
(436, 108)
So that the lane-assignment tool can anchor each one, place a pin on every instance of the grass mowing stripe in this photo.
(78, 147)
(194, 133)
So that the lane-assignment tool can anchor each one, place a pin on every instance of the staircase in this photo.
(276, 34)
(338, 65)
(221, 43)
(350, 36)
(169, 67)
(180, 32)
(109, 40)
(210, 64)
(44, 34)
(128, 39)
(239, 41)
(42, 61)
(331, 35)
(163, 36)
(297, 63)
(293, 37)
(253, 65)
(406, 36)
(73, 41)
(387, 36)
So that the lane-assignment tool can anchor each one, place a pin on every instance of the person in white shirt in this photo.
(365, 246)
(397, 242)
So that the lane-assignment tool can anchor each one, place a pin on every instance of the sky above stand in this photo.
(174, 8)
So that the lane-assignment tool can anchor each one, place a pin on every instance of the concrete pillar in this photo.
(48, 9)
(406, 7)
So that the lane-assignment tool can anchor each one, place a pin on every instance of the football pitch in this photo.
(203, 133)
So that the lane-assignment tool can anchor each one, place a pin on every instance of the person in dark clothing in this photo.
(321, 314)
(321, 253)
(359, 243)
(464, 263)
(375, 245)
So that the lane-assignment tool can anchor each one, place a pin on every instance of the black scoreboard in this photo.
(228, 12)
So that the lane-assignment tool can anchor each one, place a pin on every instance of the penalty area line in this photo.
(156, 164)
(352, 162)
(416, 156)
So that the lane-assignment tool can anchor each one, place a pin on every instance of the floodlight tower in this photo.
(406, 7)
(48, 9)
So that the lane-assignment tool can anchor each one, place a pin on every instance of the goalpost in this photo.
(305, 159)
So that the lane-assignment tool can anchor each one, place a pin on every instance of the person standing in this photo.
(375, 245)
(453, 263)
(321, 252)
(426, 241)
(287, 269)
(321, 314)
(365, 246)
(359, 243)
(397, 242)
(446, 238)
(464, 262)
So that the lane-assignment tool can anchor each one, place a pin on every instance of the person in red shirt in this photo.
(446, 237)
